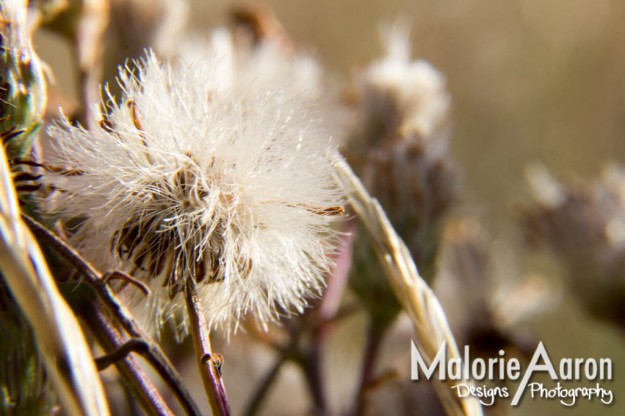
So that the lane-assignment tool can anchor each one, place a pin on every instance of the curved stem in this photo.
(110, 339)
(264, 386)
(155, 355)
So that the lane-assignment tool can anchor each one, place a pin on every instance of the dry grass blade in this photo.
(416, 298)
(64, 349)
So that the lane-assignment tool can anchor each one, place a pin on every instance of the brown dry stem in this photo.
(208, 362)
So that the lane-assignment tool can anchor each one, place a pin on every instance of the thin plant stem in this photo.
(155, 355)
(322, 321)
(300, 355)
(375, 334)
(127, 348)
(110, 339)
(310, 361)
(208, 364)
(265, 385)
(88, 55)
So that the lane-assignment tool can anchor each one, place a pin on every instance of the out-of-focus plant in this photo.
(486, 307)
(399, 147)
(83, 23)
(24, 388)
(583, 226)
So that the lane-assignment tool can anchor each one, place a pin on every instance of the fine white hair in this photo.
(191, 178)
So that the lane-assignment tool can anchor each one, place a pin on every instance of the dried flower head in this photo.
(188, 178)
(583, 226)
(484, 296)
(399, 147)
(400, 95)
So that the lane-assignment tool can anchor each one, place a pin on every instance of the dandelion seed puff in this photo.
(231, 187)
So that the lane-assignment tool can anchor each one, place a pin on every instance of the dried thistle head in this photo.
(399, 96)
(399, 148)
(583, 226)
(484, 296)
(189, 179)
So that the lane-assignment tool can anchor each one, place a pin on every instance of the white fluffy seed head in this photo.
(184, 180)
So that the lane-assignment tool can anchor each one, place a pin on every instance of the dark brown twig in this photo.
(121, 352)
(155, 355)
(110, 338)
(117, 275)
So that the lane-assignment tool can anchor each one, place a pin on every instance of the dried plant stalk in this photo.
(209, 363)
(413, 293)
(60, 340)
(137, 381)
(153, 354)
(22, 86)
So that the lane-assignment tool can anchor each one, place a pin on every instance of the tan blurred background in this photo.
(531, 80)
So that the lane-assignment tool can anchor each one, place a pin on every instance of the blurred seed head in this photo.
(583, 226)
(485, 298)
(400, 97)
(406, 164)
(267, 59)
(399, 149)
(261, 65)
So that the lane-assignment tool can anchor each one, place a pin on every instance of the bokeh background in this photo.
(531, 80)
